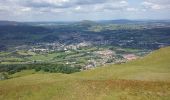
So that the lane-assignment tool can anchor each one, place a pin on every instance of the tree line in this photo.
(52, 68)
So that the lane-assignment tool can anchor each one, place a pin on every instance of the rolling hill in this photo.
(122, 33)
(147, 78)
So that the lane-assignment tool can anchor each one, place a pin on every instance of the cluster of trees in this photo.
(3, 76)
(53, 68)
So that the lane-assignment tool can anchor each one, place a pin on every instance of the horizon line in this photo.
(91, 20)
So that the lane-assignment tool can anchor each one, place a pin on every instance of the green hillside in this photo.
(147, 78)
(155, 66)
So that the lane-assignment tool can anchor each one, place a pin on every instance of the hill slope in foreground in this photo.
(143, 79)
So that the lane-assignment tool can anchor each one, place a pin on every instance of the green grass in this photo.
(143, 79)
(22, 73)
(26, 53)
(157, 62)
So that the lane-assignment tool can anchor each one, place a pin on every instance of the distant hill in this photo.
(15, 33)
(141, 36)
(127, 21)
(13, 23)
(119, 21)
(143, 79)
(88, 23)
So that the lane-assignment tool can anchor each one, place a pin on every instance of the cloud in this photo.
(58, 3)
(149, 5)
(87, 2)
(156, 4)
(57, 6)
(78, 8)
(132, 9)
(159, 1)
(26, 9)
(71, 8)
(54, 3)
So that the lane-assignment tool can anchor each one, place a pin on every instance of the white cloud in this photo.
(156, 4)
(156, 7)
(150, 5)
(28, 5)
(26, 9)
(132, 9)
(161, 2)
(56, 10)
(2, 7)
(124, 2)
(78, 8)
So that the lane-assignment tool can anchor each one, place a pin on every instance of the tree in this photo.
(3, 76)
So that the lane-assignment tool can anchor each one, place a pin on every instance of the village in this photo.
(84, 54)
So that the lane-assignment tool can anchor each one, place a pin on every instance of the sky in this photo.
(75, 10)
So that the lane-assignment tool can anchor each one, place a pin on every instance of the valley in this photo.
(84, 50)
(82, 55)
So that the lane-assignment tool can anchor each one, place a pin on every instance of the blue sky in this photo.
(74, 10)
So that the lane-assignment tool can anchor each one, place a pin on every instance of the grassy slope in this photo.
(155, 65)
(143, 79)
